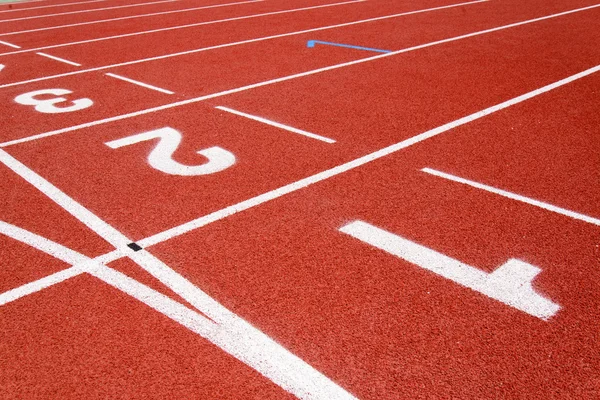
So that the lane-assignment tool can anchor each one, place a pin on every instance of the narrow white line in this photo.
(264, 83)
(58, 59)
(14, 46)
(49, 6)
(129, 17)
(321, 176)
(514, 196)
(142, 84)
(86, 11)
(172, 28)
(276, 124)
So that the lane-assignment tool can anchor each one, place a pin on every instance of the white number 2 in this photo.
(160, 157)
(47, 106)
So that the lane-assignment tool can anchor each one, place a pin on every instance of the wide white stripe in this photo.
(277, 125)
(514, 196)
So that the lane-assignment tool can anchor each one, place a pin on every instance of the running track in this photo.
(315, 199)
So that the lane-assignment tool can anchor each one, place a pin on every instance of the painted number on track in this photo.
(49, 106)
(2, 67)
(160, 157)
(511, 283)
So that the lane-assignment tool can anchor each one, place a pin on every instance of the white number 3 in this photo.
(47, 106)
(160, 157)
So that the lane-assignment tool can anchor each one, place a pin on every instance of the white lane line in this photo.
(255, 85)
(274, 194)
(172, 28)
(14, 46)
(49, 6)
(142, 84)
(514, 196)
(226, 330)
(277, 124)
(87, 11)
(321, 176)
(129, 17)
(62, 60)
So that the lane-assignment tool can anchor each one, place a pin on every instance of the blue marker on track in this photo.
(311, 44)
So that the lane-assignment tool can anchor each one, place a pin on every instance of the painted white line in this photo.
(49, 6)
(271, 81)
(14, 46)
(224, 328)
(129, 17)
(142, 84)
(62, 60)
(276, 124)
(514, 196)
(511, 283)
(86, 11)
(321, 176)
(172, 28)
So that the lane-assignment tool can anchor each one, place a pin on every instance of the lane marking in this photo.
(292, 187)
(172, 28)
(49, 6)
(511, 283)
(277, 125)
(224, 328)
(62, 60)
(128, 17)
(86, 11)
(311, 43)
(264, 83)
(514, 196)
(321, 176)
(142, 84)
(14, 46)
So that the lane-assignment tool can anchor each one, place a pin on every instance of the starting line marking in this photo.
(129, 17)
(138, 83)
(511, 283)
(514, 196)
(222, 327)
(86, 11)
(14, 46)
(311, 43)
(277, 125)
(62, 60)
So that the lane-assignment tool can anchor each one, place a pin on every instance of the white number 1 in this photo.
(160, 157)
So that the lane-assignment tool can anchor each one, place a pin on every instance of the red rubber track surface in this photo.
(374, 324)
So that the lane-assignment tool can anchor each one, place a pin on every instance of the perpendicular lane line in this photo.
(305, 182)
(276, 124)
(513, 196)
(129, 17)
(271, 81)
(172, 28)
(62, 60)
(138, 83)
(87, 11)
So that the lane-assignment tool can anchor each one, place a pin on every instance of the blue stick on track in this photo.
(311, 44)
